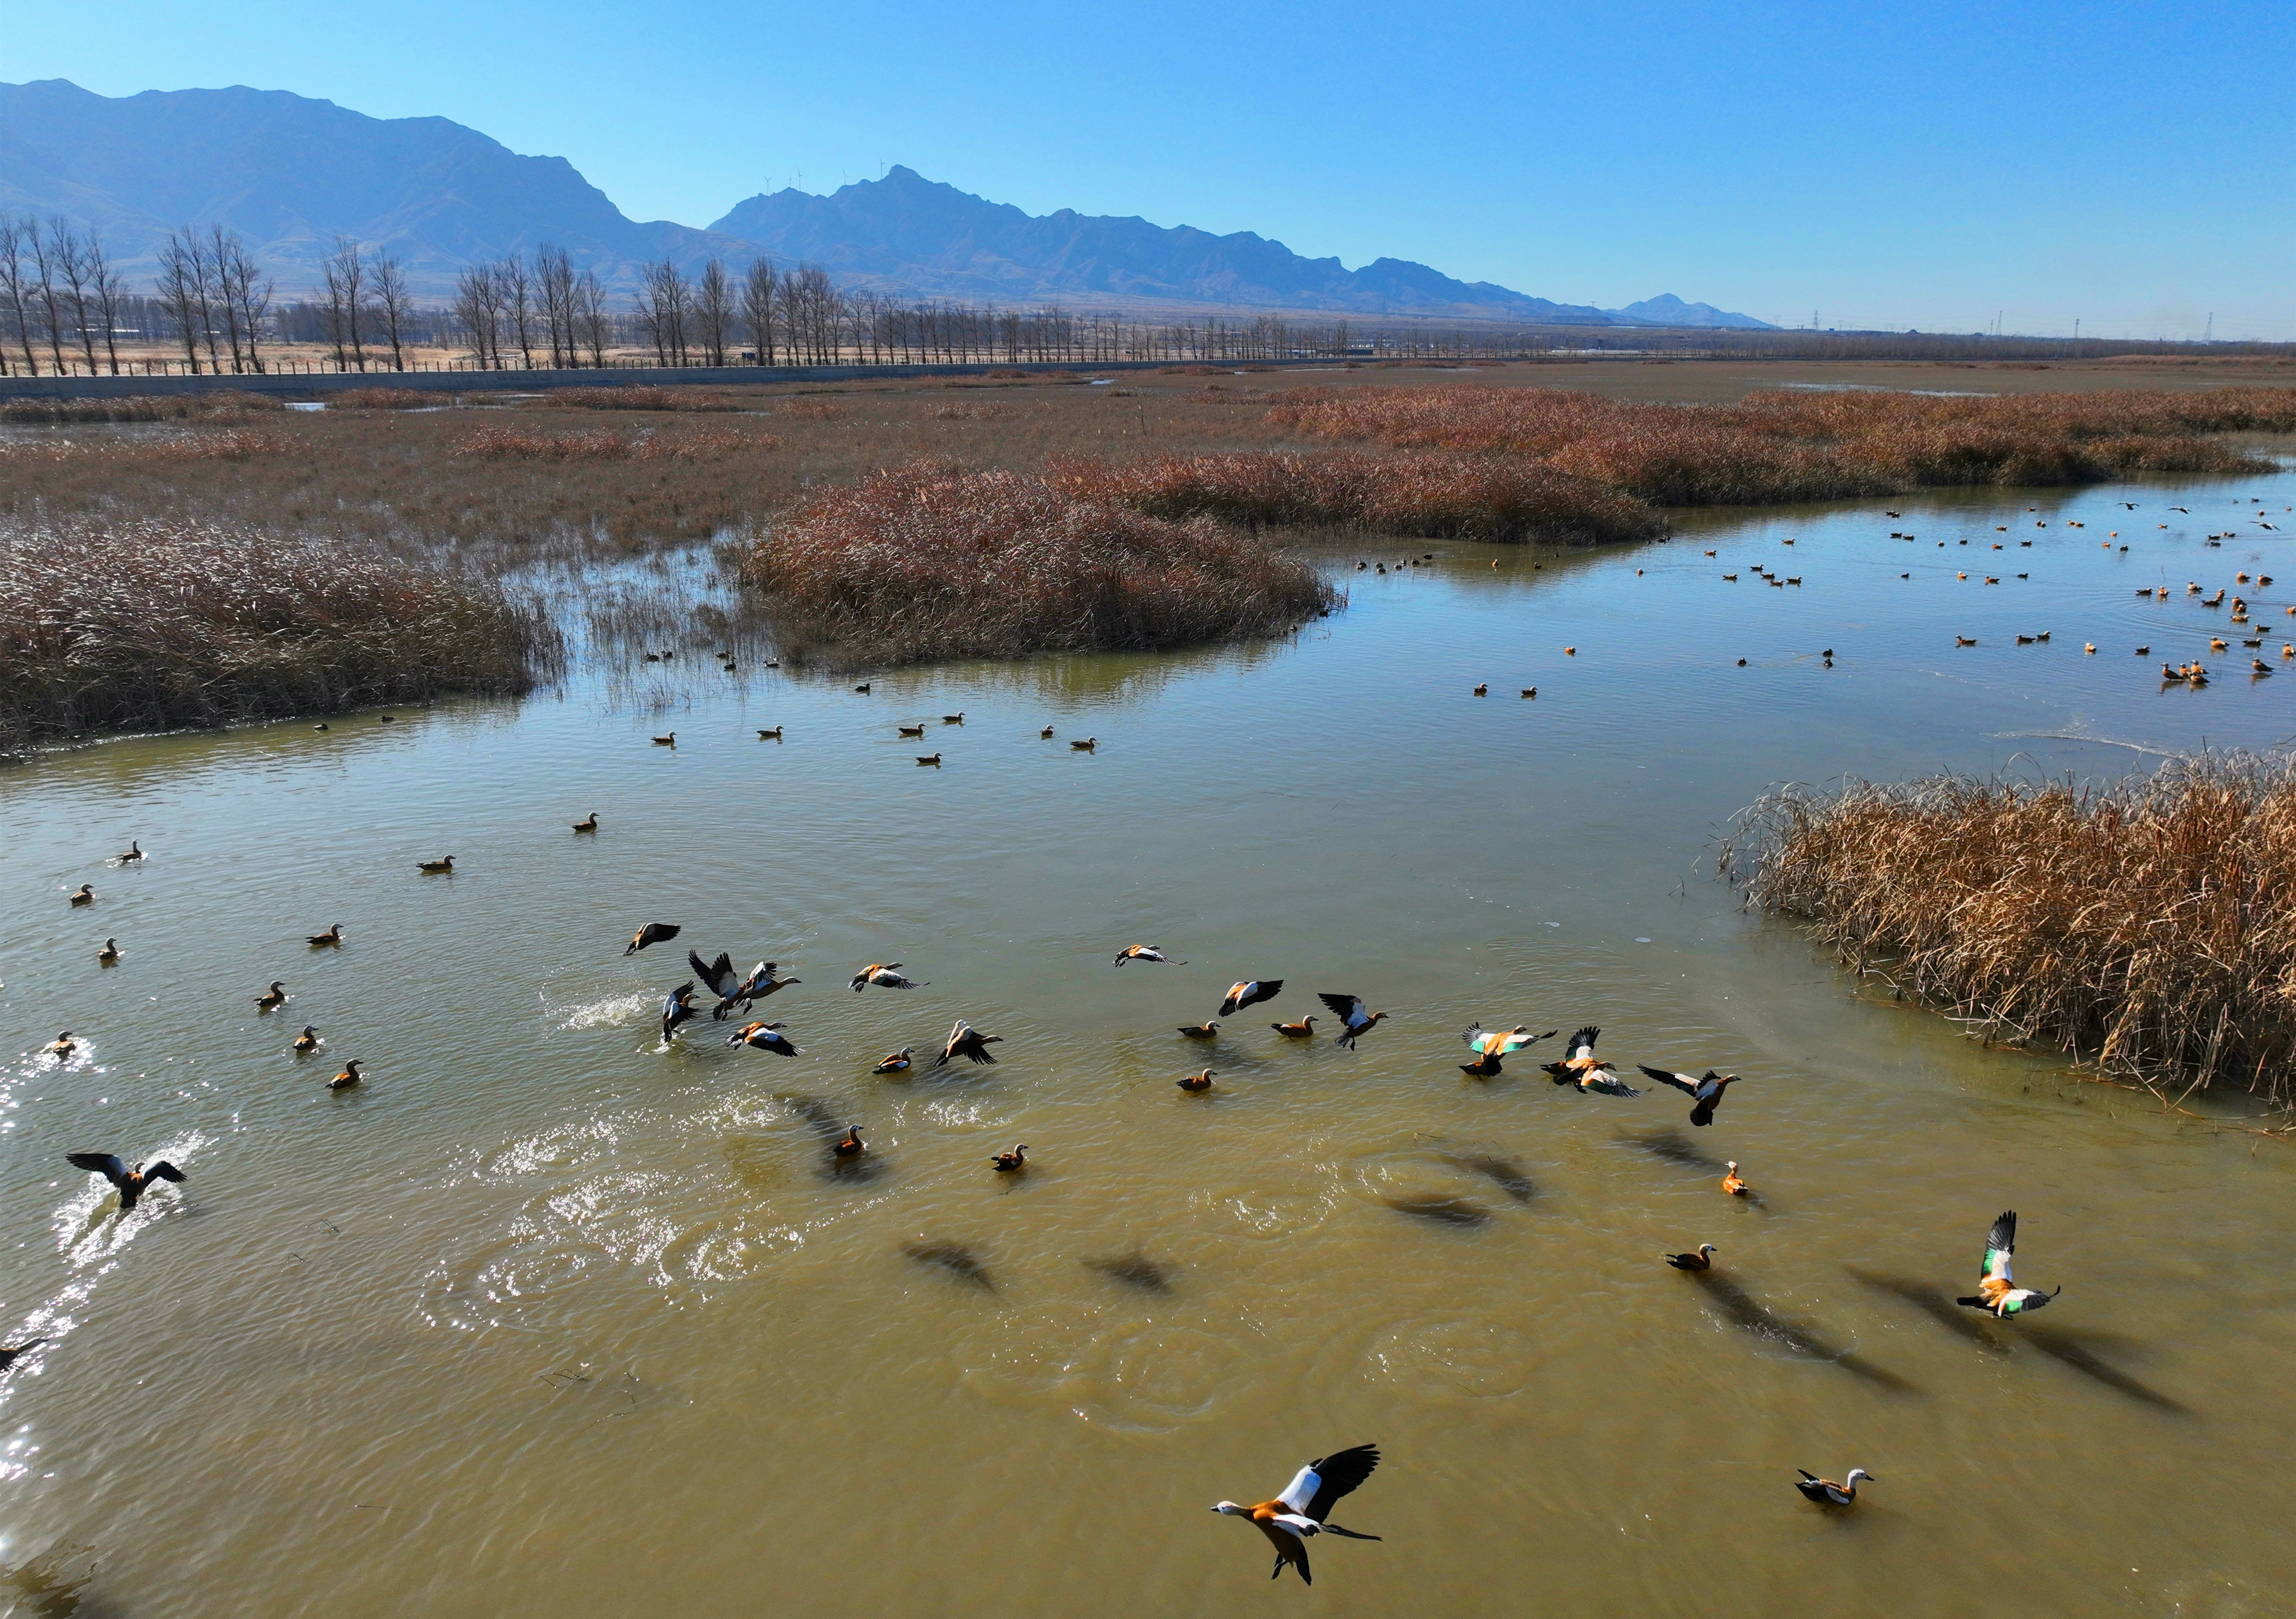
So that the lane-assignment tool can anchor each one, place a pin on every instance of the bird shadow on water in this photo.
(1750, 1313)
(1440, 1211)
(2067, 1349)
(1136, 1270)
(955, 1257)
(1504, 1172)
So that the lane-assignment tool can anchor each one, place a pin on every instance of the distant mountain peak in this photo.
(1668, 310)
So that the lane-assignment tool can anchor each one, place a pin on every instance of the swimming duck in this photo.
(677, 1008)
(965, 1040)
(1011, 1162)
(1490, 1045)
(1825, 1493)
(863, 688)
(764, 1037)
(652, 933)
(1144, 952)
(912, 730)
(1483, 691)
(1251, 992)
(1581, 1068)
(134, 853)
(1196, 1081)
(109, 954)
(589, 824)
(445, 865)
(132, 1182)
(1732, 1182)
(898, 1063)
(1356, 1018)
(1964, 640)
(308, 1042)
(1086, 745)
(953, 719)
(2257, 665)
(932, 759)
(666, 741)
(849, 1145)
(769, 733)
(1995, 1291)
(62, 1046)
(1200, 1031)
(332, 938)
(86, 894)
(1531, 691)
(348, 1078)
(1298, 1513)
(1305, 1029)
(1703, 1259)
(1045, 734)
(1705, 1091)
(272, 998)
(884, 975)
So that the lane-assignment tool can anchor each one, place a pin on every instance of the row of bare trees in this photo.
(57, 290)
(217, 297)
(505, 305)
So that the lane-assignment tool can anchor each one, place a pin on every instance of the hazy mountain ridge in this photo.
(290, 173)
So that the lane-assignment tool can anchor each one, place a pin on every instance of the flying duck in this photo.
(849, 1145)
(1250, 992)
(134, 853)
(1305, 1029)
(965, 1040)
(1356, 1018)
(131, 1182)
(86, 894)
(444, 864)
(652, 933)
(1144, 953)
(1731, 1181)
(884, 975)
(677, 1008)
(348, 1078)
(1196, 1081)
(1298, 1513)
(1200, 1031)
(590, 824)
(1011, 1162)
(1489, 1045)
(898, 1063)
(272, 998)
(14, 1353)
(764, 1037)
(327, 940)
(1704, 1091)
(309, 1041)
(1586, 1071)
(1703, 1259)
(1825, 1493)
(109, 954)
(731, 988)
(1995, 1292)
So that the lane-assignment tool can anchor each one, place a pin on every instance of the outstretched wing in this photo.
(1680, 1082)
(1582, 1044)
(1301, 1490)
(163, 1171)
(2000, 1243)
(1337, 1475)
(718, 975)
(1348, 1009)
(105, 1164)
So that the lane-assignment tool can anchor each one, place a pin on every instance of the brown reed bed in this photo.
(524, 443)
(2147, 928)
(1424, 493)
(223, 405)
(635, 397)
(388, 400)
(1780, 446)
(150, 625)
(930, 561)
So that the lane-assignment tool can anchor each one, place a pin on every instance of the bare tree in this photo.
(392, 304)
(475, 306)
(555, 272)
(181, 280)
(590, 314)
(103, 283)
(758, 289)
(246, 290)
(663, 297)
(65, 247)
(15, 293)
(518, 300)
(221, 245)
(44, 269)
(713, 312)
(346, 272)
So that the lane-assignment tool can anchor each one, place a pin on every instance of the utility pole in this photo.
(2210, 336)
(2077, 329)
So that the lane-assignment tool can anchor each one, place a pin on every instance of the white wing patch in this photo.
(1301, 1490)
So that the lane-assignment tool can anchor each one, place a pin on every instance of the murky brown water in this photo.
(545, 1318)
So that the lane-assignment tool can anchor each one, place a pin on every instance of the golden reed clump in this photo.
(153, 624)
(928, 561)
(2149, 928)
(1806, 445)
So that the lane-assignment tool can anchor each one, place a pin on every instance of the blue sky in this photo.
(2131, 166)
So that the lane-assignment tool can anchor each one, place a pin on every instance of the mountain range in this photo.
(291, 173)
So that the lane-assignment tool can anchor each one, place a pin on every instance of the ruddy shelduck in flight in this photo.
(1995, 1291)
(1302, 1511)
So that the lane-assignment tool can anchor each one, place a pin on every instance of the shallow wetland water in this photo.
(544, 1318)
